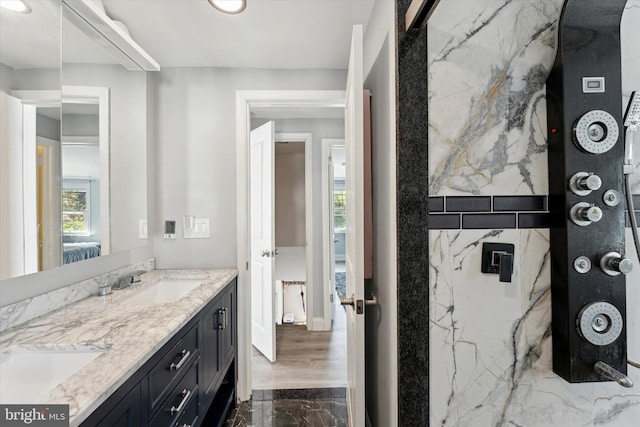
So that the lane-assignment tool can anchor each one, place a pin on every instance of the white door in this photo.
(332, 234)
(263, 326)
(354, 147)
(11, 188)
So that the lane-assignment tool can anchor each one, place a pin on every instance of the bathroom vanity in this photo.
(164, 351)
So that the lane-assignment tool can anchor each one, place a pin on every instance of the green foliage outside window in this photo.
(339, 209)
(74, 211)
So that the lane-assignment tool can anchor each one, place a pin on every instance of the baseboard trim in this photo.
(318, 324)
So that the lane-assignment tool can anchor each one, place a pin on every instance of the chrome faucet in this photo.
(612, 374)
(126, 281)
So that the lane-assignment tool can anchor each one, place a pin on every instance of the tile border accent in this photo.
(496, 212)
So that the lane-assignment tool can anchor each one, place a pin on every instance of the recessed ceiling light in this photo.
(229, 6)
(15, 6)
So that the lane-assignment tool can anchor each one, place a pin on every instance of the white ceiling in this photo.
(293, 34)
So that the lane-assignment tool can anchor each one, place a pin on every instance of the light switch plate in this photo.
(200, 229)
(143, 228)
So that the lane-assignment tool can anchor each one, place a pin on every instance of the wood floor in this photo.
(304, 359)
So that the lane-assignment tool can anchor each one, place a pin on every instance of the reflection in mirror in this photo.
(55, 190)
(29, 137)
(85, 167)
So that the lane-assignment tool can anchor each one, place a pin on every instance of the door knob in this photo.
(265, 253)
(358, 304)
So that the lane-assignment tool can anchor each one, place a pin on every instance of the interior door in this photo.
(332, 235)
(263, 326)
(354, 147)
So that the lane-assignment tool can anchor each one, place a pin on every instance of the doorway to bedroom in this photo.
(307, 354)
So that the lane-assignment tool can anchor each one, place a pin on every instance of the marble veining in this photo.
(490, 342)
(319, 412)
(488, 64)
(132, 333)
(23, 311)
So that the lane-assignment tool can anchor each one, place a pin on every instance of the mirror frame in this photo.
(55, 98)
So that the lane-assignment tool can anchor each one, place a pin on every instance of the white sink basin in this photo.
(163, 291)
(28, 374)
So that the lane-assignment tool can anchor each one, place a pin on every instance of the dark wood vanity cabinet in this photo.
(189, 381)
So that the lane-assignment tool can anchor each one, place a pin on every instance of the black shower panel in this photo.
(586, 149)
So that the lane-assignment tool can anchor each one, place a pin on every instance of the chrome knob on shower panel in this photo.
(584, 214)
(583, 183)
(611, 198)
(613, 264)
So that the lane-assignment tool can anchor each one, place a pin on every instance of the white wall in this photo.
(381, 320)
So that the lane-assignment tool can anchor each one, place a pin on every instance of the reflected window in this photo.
(76, 213)
(339, 206)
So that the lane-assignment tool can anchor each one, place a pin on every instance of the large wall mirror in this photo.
(73, 172)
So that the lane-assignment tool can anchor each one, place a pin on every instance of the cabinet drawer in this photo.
(191, 415)
(171, 366)
(178, 400)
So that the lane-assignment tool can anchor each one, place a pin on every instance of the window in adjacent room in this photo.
(76, 196)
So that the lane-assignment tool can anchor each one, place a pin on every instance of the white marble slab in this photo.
(488, 63)
(131, 333)
(490, 342)
(23, 311)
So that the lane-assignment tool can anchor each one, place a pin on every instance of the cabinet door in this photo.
(227, 335)
(126, 413)
(209, 348)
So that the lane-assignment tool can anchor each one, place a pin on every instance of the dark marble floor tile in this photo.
(304, 393)
(290, 413)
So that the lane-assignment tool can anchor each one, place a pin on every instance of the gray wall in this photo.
(6, 78)
(128, 183)
(131, 157)
(195, 154)
(47, 127)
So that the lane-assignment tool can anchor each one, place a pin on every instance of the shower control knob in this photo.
(614, 264)
(583, 214)
(583, 183)
(591, 182)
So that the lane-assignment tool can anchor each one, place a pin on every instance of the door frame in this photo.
(327, 240)
(307, 140)
(245, 100)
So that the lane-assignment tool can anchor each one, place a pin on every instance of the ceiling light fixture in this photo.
(229, 6)
(15, 6)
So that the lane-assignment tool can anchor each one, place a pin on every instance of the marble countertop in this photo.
(130, 333)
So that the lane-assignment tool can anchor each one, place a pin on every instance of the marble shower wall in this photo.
(490, 342)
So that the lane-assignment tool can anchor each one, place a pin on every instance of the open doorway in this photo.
(307, 354)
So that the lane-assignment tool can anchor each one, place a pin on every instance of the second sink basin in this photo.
(164, 291)
(28, 374)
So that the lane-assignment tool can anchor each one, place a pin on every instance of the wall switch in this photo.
(143, 228)
(200, 229)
